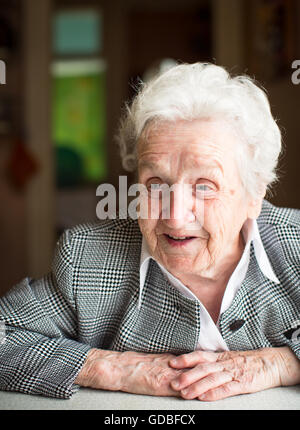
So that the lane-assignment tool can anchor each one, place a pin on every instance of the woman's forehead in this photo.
(180, 133)
(197, 142)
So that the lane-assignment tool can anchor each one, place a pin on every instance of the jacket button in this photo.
(236, 325)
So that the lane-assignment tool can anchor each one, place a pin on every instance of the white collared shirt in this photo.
(210, 338)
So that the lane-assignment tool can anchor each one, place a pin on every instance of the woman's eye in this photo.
(154, 184)
(203, 187)
(205, 190)
(155, 187)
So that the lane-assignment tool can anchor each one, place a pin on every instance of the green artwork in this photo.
(79, 123)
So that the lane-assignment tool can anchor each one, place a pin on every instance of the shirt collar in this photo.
(250, 233)
(260, 253)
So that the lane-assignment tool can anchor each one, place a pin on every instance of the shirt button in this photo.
(236, 325)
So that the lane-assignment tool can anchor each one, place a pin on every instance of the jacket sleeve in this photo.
(39, 353)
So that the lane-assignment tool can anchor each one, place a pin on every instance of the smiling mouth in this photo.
(179, 240)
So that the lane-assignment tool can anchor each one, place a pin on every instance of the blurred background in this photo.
(69, 67)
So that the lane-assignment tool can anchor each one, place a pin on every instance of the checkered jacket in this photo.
(90, 299)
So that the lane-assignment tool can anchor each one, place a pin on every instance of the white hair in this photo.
(202, 90)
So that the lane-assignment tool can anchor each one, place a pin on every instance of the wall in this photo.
(26, 218)
(13, 214)
(234, 32)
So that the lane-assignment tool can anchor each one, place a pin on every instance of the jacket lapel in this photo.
(165, 321)
(256, 305)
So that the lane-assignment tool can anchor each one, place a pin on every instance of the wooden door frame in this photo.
(40, 197)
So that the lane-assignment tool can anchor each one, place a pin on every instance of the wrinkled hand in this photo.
(212, 376)
(130, 372)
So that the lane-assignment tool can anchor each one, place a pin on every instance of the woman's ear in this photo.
(255, 204)
(254, 208)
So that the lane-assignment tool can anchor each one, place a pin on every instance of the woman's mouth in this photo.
(179, 240)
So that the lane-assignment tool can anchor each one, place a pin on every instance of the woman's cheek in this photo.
(215, 217)
(147, 227)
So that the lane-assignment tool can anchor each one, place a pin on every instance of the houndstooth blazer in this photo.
(90, 299)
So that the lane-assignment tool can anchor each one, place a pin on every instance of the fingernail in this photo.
(174, 361)
(202, 397)
(185, 391)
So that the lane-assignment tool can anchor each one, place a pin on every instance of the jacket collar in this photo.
(250, 233)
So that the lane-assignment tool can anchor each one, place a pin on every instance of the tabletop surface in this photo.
(281, 398)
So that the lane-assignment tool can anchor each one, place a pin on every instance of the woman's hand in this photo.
(131, 372)
(213, 376)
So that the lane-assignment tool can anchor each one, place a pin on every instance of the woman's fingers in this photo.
(192, 359)
(211, 382)
(195, 374)
(231, 388)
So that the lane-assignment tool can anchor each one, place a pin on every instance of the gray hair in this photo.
(202, 90)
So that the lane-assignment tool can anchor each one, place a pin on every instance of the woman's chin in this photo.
(176, 264)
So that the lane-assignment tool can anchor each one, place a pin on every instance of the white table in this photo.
(281, 398)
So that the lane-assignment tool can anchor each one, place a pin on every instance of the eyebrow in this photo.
(147, 164)
(216, 168)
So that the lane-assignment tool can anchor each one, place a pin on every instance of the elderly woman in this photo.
(203, 303)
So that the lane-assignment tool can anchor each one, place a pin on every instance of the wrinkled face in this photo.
(203, 227)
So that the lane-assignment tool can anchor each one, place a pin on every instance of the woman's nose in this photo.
(177, 210)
